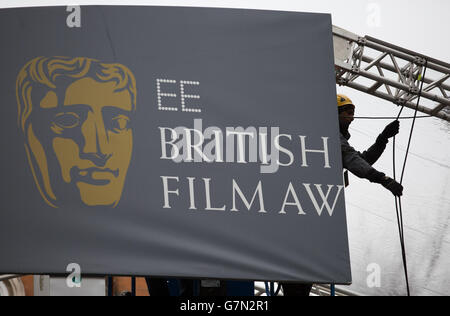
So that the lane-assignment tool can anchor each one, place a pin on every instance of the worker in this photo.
(360, 164)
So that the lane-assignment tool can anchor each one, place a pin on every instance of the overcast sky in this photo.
(416, 24)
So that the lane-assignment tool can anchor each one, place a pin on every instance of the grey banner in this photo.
(182, 142)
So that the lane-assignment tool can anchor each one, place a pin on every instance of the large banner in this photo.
(181, 142)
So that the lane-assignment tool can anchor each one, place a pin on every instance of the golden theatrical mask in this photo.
(76, 118)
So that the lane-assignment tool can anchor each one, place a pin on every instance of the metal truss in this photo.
(8, 277)
(392, 73)
(11, 285)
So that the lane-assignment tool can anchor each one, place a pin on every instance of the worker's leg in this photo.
(187, 288)
(296, 289)
(213, 288)
(157, 286)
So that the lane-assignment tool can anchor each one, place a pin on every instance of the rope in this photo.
(270, 289)
(398, 201)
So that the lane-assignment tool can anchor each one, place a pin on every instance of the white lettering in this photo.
(166, 190)
(208, 197)
(198, 135)
(291, 191)
(241, 144)
(323, 197)
(243, 198)
(164, 143)
(188, 96)
(284, 150)
(166, 95)
(325, 151)
(191, 193)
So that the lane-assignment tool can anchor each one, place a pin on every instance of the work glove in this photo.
(393, 186)
(391, 130)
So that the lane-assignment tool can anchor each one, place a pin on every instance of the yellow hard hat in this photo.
(343, 100)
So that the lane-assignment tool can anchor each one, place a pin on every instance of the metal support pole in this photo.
(133, 286)
(110, 286)
(272, 289)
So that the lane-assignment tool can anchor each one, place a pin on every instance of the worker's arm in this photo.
(374, 153)
(356, 164)
(353, 162)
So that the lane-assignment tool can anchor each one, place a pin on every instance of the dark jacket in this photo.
(360, 164)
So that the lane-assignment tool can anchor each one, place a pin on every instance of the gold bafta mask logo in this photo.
(76, 118)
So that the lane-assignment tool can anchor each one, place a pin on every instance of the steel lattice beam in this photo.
(392, 73)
